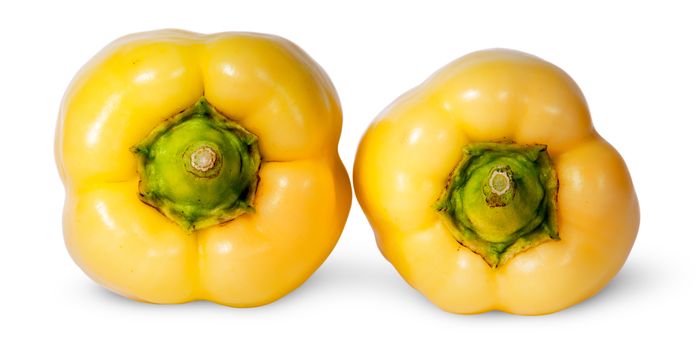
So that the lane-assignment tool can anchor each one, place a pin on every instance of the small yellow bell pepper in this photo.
(201, 167)
(488, 188)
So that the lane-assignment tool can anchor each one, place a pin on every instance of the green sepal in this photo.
(498, 227)
(191, 198)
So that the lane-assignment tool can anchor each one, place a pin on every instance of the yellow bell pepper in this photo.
(201, 167)
(488, 188)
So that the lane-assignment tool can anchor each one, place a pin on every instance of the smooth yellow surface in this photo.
(266, 84)
(405, 158)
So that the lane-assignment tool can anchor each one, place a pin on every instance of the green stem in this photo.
(198, 168)
(203, 158)
(501, 200)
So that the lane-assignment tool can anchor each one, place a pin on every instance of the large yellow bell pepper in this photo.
(488, 188)
(201, 167)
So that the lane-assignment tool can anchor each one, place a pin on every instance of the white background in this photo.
(635, 63)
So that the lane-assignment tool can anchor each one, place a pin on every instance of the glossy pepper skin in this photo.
(267, 86)
(408, 154)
